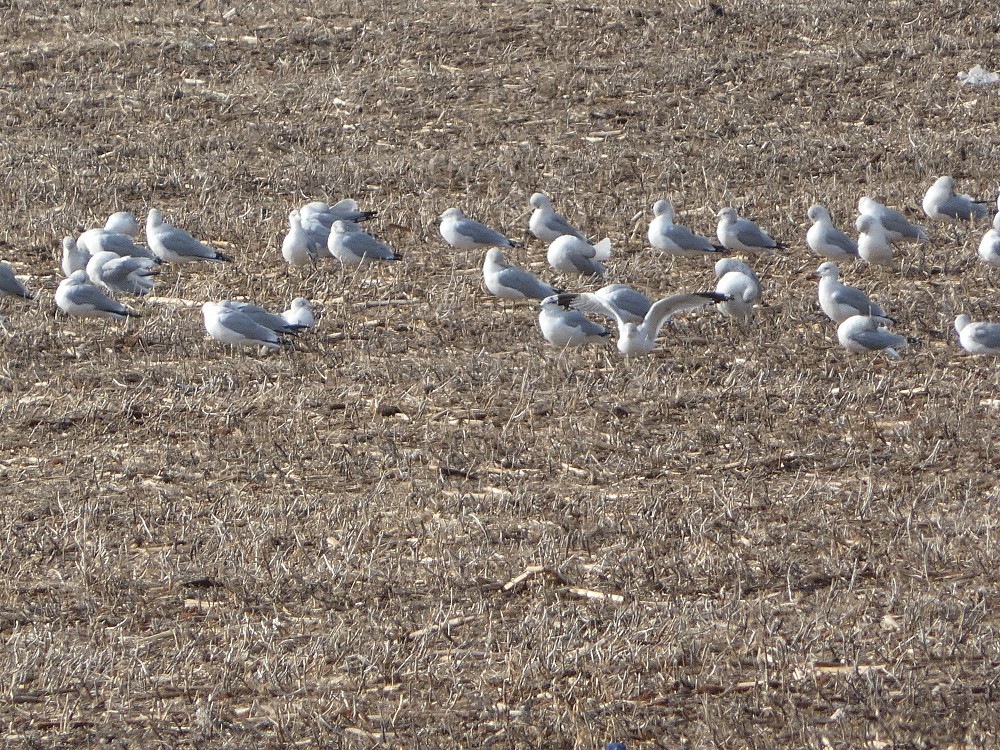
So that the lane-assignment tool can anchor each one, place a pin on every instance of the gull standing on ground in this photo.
(119, 275)
(101, 240)
(873, 241)
(896, 225)
(78, 297)
(546, 224)
(824, 239)
(300, 313)
(989, 246)
(174, 245)
(738, 282)
(978, 338)
(941, 202)
(570, 254)
(841, 302)
(262, 317)
(631, 305)
(636, 339)
(230, 326)
(506, 281)
(867, 333)
(299, 249)
(742, 235)
(568, 328)
(74, 258)
(10, 285)
(675, 239)
(354, 247)
(345, 210)
(465, 234)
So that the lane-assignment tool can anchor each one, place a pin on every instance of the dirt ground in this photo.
(423, 527)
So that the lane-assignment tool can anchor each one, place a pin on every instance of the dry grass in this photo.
(424, 528)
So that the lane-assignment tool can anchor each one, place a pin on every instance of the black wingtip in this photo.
(366, 215)
(780, 245)
(565, 299)
(715, 296)
(913, 340)
(515, 244)
(720, 248)
(223, 257)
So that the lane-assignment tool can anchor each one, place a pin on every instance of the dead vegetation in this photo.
(424, 528)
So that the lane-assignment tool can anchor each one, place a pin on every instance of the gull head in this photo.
(961, 322)
(730, 265)
(540, 200)
(122, 222)
(817, 213)
(452, 213)
(339, 227)
(299, 302)
(154, 218)
(727, 215)
(494, 258)
(866, 223)
(662, 207)
(945, 185)
(828, 270)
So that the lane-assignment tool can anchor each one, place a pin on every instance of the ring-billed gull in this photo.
(10, 285)
(119, 275)
(873, 241)
(546, 224)
(263, 317)
(345, 210)
(300, 313)
(868, 333)
(510, 282)
(230, 326)
(676, 239)
(356, 247)
(897, 226)
(978, 338)
(840, 301)
(174, 245)
(631, 305)
(741, 235)
(824, 239)
(568, 328)
(738, 282)
(74, 258)
(989, 246)
(78, 297)
(298, 248)
(570, 254)
(101, 240)
(122, 222)
(941, 202)
(637, 339)
(463, 233)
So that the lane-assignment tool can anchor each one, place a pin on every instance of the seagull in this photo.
(570, 254)
(742, 235)
(989, 246)
(101, 240)
(76, 296)
(266, 318)
(300, 313)
(824, 239)
(122, 222)
(510, 282)
(299, 249)
(978, 338)
(896, 225)
(636, 339)
(465, 234)
(841, 302)
(941, 202)
(356, 247)
(74, 258)
(174, 245)
(873, 241)
(867, 333)
(230, 326)
(119, 275)
(546, 224)
(675, 239)
(568, 328)
(631, 305)
(738, 282)
(10, 285)
(345, 210)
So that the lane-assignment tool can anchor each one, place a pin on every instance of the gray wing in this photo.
(128, 275)
(525, 282)
(986, 334)
(363, 244)
(962, 207)
(895, 222)
(835, 237)
(879, 339)
(628, 300)
(751, 235)
(856, 299)
(481, 233)
(556, 223)
(88, 295)
(576, 319)
(662, 310)
(589, 303)
(264, 318)
(348, 210)
(122, 244)
(181, 243)
(244, 325)
(10, 284)
(586, 266)
(688, 240)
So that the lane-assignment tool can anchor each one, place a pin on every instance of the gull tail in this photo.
(366, 215)
(720, 249)
(223, 257)
(603, 249)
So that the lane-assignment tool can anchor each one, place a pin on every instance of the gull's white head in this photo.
(944, 184)
(728, 215)
(728, 265)
(122, 222)
(818, 213)
(301, 302)
(453, 214)
(961, 322)
(540, 200)
(339, 227)
(828, 270)
(294, 217)
(154, 218)
(662, 207)
(494, 258)
(866, 224)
